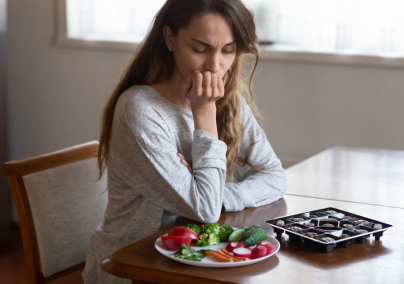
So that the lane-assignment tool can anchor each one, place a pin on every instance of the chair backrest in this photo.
(59, 205)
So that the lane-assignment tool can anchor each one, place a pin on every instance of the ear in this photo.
(169, 37)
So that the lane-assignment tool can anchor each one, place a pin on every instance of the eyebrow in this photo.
(207, 44)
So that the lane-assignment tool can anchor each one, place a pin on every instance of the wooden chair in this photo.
(59, 206)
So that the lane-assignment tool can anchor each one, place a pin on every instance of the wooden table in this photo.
(372, 262)
(356, 175)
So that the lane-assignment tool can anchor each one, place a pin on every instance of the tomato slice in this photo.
(183, 232)
(175, 242)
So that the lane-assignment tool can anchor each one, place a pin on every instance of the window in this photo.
(302, 29)
(344, 26)
(112, 20)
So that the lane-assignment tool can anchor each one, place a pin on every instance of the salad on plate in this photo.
(221, 244)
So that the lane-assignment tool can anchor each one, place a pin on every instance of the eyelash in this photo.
(198, 51)
(203, 51)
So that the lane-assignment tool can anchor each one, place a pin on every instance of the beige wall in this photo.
(309, 108)
(5, 194)
(56, 95)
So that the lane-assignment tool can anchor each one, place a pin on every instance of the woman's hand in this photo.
(203, 89)
(185, 162)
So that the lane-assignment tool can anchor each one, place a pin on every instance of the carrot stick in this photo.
(225, 252)
(235, 257)
(232, 257)
(219, 257)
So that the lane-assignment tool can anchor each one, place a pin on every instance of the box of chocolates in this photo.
(328, 228)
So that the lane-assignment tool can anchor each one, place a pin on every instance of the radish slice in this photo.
(233, 245)
(251, 247)
(267, 245)
(242, 252)
(258, 251)
(271, 250)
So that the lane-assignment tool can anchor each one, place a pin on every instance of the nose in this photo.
(212, 63)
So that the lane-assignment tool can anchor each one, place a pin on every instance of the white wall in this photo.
(56, 95)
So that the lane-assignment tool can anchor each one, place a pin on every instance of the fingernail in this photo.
(196, 72)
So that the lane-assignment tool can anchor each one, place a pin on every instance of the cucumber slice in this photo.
(236, 235)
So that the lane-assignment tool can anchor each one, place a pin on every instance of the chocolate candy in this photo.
(297, 219)
(324, 231)
(280, 223)
(311, 234)
(327, 240)
(295, 229)
(327, 231)
(378, 226)
(361, 222)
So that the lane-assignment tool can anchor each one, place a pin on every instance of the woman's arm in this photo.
(255, 188)
(196, 196)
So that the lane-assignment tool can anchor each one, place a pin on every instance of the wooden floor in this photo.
(12, 266)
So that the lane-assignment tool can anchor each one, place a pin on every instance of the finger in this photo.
(215, 90)
(186, 85)
(220, 86)
(197, 82)
(190, 170)
(183, 159)
(185, 163)
(207, 79)
(181, 156)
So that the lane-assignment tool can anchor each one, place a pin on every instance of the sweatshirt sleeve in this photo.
(254, 188)
(197, 196)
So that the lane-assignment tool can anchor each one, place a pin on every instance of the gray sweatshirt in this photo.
(149, 189)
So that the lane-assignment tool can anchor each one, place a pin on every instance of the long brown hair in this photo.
(154, 63)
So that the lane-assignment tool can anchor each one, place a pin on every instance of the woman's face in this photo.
(207, 45)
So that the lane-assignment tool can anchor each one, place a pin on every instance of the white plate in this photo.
(209, 262)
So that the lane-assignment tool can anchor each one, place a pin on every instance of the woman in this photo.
(176, 124)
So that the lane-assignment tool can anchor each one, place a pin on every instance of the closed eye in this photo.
(198, 51)
(228, 51)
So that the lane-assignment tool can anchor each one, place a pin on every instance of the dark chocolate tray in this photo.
(338, 228)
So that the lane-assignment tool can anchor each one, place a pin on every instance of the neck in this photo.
(170, 89)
